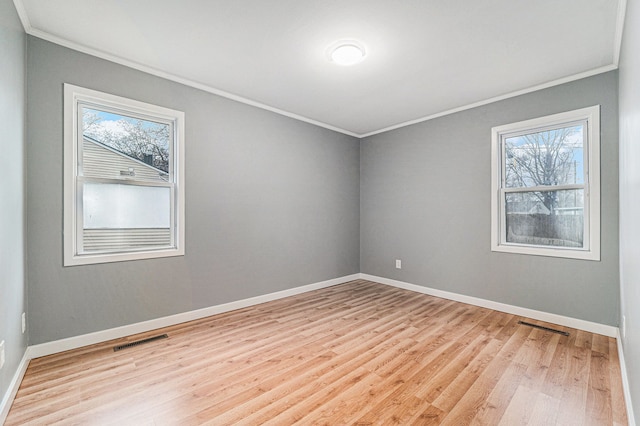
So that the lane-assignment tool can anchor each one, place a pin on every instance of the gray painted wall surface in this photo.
(630, 198)
(12, 236)
(271, 203)
(425, 199)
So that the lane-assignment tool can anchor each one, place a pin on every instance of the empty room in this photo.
(317, 212)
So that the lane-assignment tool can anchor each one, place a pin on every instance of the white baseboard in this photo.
(625, 382)
(6, 402)
(579, 324)
(62, 345)
(49, 348)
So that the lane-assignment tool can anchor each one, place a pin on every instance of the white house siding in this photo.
(101, 162)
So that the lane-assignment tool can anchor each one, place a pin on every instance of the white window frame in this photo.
(591, 249)
(74, 96)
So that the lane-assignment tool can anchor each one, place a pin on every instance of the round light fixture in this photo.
(346, 52)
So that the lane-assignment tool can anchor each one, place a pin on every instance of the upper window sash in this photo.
(585, 156)
(136, 112)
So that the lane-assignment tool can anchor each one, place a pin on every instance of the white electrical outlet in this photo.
(398, 264)
(624, 326)
(24, 322)
(1, 354)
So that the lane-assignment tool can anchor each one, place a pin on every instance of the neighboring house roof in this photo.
(539, 208)
(100, 160)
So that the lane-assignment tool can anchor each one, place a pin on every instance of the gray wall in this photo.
(630, 198)
(271, 203)
(425, 199)
(12, 236)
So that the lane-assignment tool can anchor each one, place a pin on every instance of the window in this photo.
(546, 186)
(123, 179)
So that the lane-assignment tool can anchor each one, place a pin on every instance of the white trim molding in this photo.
(29, 29)
(43, 349)
(75, 342)
(558, 82)
(14, 385)
(49, 348)
(592, 327)
(22, 14)
(617, 41)
(625, 382)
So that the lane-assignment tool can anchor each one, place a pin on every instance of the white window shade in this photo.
(126, 206)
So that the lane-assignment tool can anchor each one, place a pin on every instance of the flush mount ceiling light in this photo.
(346, 52)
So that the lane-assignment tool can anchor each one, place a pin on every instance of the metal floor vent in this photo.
(553, 330)
(139, 342)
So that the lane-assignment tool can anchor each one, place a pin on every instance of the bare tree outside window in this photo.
(545, 172)
(143, 140)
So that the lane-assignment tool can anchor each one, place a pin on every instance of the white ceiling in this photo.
(425, 57)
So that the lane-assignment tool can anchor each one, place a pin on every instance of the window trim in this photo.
(73, 97)
(591, 251)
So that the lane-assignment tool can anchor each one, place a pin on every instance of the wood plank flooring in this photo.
(359, 353)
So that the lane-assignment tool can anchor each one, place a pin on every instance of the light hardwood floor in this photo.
(358, 353)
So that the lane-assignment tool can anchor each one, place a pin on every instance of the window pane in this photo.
(118, 217)
(550, 157)
(549, 218)
(117, 146)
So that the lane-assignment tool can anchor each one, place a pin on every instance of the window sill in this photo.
(567, 253)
